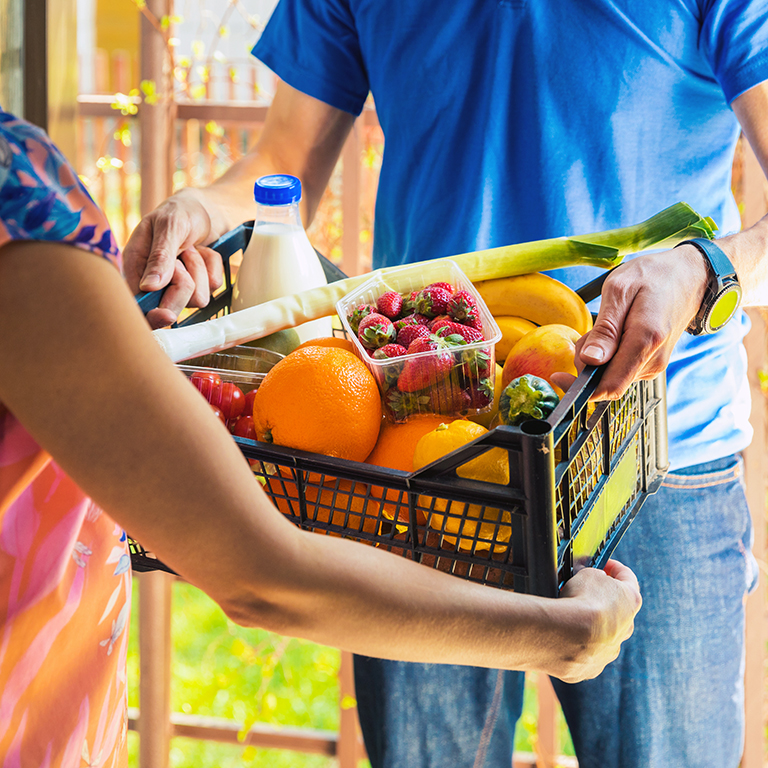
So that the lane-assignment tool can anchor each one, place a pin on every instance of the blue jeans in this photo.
(673, 698)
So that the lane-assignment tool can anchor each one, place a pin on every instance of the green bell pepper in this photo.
(526, 397)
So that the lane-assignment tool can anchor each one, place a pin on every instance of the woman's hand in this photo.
(602, 606)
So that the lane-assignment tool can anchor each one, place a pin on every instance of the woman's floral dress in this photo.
(65, 575)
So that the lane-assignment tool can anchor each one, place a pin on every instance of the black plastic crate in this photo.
(577, 479)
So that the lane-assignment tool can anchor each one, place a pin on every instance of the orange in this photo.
(394, 449)
(329, 341)
(319, 399)
(340, 502)
(542, 352)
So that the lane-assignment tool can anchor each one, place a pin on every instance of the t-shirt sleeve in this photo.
(41, 196)
(313, 46)
(734, 38)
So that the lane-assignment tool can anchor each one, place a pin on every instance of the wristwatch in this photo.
(723, 294)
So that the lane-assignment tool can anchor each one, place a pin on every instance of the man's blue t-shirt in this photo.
(514, 120)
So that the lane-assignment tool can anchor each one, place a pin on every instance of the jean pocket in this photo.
(717, 487)
(720, 472)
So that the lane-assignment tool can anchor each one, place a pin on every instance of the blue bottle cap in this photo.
(277, 189)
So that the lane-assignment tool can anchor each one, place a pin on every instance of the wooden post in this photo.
(38, 49)
(156, 122)
(100, 126)
(122, 82)
(350, 203)
(548, 743)
(154, 669)
(62, 85)
(34, 46)
(756, 469)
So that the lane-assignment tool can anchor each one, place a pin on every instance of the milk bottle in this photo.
(279, 259)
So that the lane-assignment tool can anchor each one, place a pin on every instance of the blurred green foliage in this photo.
(253, 676)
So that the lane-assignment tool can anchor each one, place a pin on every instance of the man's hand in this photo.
(601, 608)
(646, 306)
(167, 248)
(302, 136)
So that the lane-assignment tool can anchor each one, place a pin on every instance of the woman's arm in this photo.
(82, 373)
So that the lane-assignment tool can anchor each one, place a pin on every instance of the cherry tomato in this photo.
(230, 398)
(206, 383)
(244, 428)
(248, 408)
(218, 412)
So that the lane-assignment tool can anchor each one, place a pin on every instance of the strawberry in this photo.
(473, 321)
(438, 321)
(375, 331)
(400, 405)
(390, 371)
(390, 304)
(445, 286)
(409, 302)
(482, 392)
(469, 334)
(476, 363)
(445, 397)
(357, 314)
(432, 301)
(412, 319)
(427, 370)
(462, 305)
(410, 332)
(421, 319)
(449, 397)
(389, 351)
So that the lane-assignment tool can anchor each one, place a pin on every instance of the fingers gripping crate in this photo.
(577, 480)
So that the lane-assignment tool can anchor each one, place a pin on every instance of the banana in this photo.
(512, 330)
(538, 298)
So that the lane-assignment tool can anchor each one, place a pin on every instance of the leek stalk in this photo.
(603, 249)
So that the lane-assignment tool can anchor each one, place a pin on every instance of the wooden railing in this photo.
(199, 130)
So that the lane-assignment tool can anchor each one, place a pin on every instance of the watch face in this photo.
(724, 307)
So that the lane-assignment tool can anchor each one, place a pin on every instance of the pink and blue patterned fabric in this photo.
(65, 576)
(41, 197)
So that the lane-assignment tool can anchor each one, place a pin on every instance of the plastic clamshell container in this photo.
(469, 386)
(244, 366)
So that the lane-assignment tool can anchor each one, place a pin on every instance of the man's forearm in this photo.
(232, 192)
(748, 252)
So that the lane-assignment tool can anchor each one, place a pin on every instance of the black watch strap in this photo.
(722, 280)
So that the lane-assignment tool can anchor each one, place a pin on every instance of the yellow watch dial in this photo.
(723, 310)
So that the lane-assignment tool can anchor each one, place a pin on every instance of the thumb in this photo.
(621, 572)
(600, 344)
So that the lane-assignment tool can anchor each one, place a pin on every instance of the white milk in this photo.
(279, 261)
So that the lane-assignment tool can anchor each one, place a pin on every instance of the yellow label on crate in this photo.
(616, 493)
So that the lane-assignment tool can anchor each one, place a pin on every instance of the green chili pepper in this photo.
(526, 397)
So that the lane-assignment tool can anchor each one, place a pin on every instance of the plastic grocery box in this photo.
(577, 480)
(456, 394)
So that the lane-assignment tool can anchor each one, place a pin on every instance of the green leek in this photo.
(603, 249)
